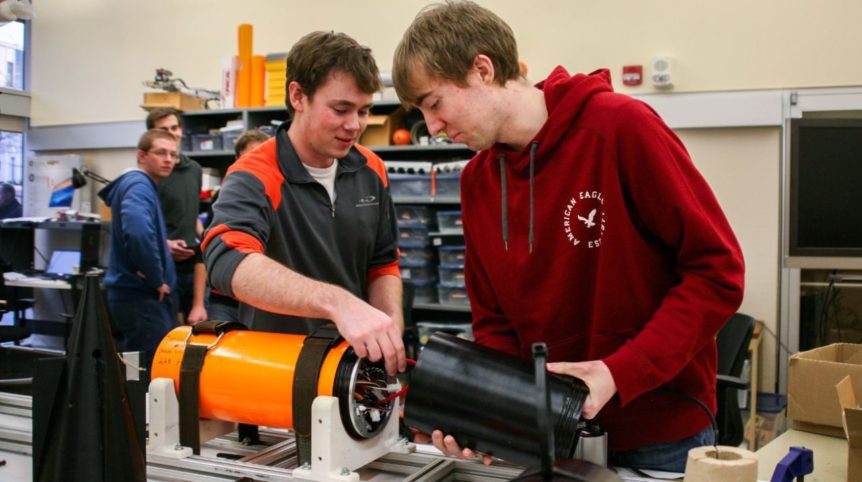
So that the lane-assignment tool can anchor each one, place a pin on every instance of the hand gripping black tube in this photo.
(486, 399)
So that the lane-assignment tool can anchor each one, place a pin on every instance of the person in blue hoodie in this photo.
(141, 274)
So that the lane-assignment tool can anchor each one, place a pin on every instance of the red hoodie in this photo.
(631, 260)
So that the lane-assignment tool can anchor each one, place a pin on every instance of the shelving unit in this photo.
(202, 122)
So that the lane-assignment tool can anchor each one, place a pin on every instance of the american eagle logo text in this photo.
(584, 219)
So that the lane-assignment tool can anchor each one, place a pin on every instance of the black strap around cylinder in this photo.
(190, 374)
(305, 379)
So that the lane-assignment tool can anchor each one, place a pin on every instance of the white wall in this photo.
(90, 56)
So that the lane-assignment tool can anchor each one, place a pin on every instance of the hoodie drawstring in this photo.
(533, 146)
(504, 204)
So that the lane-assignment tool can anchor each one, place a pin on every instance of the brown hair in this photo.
(160, 113)
(246, 138)
(145, 143)
(316, 55)
(444, 39)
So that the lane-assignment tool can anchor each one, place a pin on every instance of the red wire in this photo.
(393, 396)
(403, 390)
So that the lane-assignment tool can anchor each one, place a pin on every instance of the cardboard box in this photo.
(177, 100)
(852, 424)
(812, 402)
(379, 129)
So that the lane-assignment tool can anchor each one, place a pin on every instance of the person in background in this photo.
(248, 141)
(141, 276)
(304, 227)
(9, 205)
(223, 307)
(587, 226)
(180, 198)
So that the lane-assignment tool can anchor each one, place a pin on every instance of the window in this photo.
(11, 159)
(12, 46)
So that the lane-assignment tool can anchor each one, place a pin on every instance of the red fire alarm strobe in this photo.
(633, 74)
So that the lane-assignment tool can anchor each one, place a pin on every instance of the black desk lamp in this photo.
(79, 177)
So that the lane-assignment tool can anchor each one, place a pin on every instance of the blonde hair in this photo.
(444, 39)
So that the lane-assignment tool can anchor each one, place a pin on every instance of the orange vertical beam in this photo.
(258, 74)
(244, 69)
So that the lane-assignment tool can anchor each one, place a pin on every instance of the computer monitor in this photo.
(62, 194)
(64, 262)
(825, 192)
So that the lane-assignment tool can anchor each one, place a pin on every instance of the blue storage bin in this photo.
(450, 222)
(410, 185)
(415, 253)
(424, 291)
(768, 402)
(206, 142)
(452, 255)
(413, 215)
(416, 234)
(452, 295)
(451, 275)
(229, 139)
(417, 272)
(448, 185)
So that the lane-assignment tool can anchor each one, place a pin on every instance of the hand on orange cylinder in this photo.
(401, 137)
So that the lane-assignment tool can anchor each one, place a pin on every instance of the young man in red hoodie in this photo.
(587, 227)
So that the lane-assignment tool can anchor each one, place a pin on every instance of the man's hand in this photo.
(164, 290)
(196, 315)
(371, 333)
(596, 375)
(448, 445)
(180, 250)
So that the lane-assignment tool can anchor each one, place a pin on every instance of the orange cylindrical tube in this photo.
(243, 74)
(258, 71)
(248, 376)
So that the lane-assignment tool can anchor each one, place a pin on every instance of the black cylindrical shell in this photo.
(487, 400)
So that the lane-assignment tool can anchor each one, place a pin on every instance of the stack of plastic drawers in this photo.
(417, 266)
(451, 290)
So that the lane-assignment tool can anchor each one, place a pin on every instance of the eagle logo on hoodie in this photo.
(584, 219)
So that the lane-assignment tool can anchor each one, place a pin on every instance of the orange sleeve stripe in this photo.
(211, 234)
(383, 270)
(375, 163)
(262, 163)
(238, 240)
(242, 242)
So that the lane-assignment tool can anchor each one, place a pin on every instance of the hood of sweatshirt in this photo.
(110, 192)
(565, 97)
